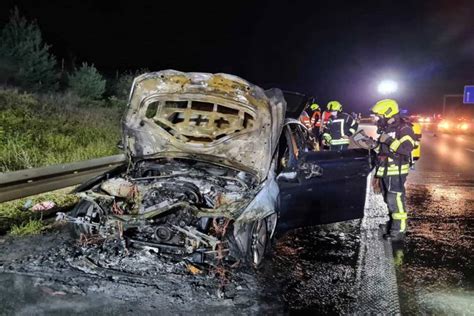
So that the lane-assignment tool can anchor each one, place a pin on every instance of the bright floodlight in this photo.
(387, 87)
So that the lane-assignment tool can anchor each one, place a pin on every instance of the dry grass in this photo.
(51, 129)
(41, 130)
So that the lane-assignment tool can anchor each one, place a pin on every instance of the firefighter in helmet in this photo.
(310, 115)
(340, 127)
(394, 152)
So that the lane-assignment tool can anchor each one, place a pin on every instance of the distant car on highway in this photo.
(424, 119)
(456, 126)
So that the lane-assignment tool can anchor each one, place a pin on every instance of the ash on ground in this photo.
(310, 269)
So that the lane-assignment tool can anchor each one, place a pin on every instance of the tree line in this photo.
(26, 62)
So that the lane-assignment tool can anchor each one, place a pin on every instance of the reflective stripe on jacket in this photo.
(393, 170)
(394, 156)
(339, 128)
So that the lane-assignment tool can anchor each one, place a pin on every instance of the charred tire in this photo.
(83, 210)
(258, 242)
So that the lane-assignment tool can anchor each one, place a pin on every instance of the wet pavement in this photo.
(435, 267)
(316, 269)
(325, 270)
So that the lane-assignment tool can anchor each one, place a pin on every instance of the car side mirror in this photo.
(310, 170)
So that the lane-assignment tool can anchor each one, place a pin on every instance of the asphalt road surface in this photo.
(435, 266)
(324, 270)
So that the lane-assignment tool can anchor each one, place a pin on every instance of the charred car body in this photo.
(213, 166)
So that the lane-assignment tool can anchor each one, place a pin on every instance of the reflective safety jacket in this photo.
(339, 128)
(416, 153)
(394, 155)
(316, 119)
(310, 122)
(325, 116)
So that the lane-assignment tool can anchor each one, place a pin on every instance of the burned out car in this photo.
(215, 169)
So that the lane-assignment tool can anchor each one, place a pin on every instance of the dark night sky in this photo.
(334, 49)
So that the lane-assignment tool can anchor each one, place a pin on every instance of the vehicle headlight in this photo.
(444, 125)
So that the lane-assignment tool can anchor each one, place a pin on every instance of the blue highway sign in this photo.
(468, 95)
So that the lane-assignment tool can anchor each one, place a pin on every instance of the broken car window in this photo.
(197, 121)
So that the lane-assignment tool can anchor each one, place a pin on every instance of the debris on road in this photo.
(52, 292)
(27, 205)
(43, 206)
(311, 269)
(324, 271)
(193, 269)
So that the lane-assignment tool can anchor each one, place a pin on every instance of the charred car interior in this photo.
(216, 168)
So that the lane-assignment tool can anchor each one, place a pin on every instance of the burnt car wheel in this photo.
(87, 214)
(258, 242)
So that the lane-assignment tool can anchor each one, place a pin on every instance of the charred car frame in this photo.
(216, 168)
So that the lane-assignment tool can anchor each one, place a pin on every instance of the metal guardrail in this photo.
(22, 183)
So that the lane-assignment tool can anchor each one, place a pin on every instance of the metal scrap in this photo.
(198, 236)
(86, 240)
(118, 187)
(193, 269)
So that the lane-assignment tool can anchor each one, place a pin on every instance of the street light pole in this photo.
(444, 104)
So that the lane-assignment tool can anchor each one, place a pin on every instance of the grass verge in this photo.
(41, 130)
(32, 227)
(17, 218)
(37, 131)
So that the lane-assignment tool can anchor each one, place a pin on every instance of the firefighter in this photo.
(315, 123)
(339, 128)
(396, 142)
(305, 119)
(311, 116)
(325, 116)
(315, 116)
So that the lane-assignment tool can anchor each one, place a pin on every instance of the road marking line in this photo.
(471, 150)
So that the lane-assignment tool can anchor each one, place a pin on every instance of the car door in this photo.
(321, 187)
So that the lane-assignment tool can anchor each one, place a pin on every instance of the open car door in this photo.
(320, 187)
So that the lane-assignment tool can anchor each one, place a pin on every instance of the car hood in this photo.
(217, 115)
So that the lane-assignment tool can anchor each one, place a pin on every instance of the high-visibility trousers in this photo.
(394, 194)
(339, 144)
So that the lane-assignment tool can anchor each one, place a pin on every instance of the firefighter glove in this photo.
(327, 138)
(385, 138)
